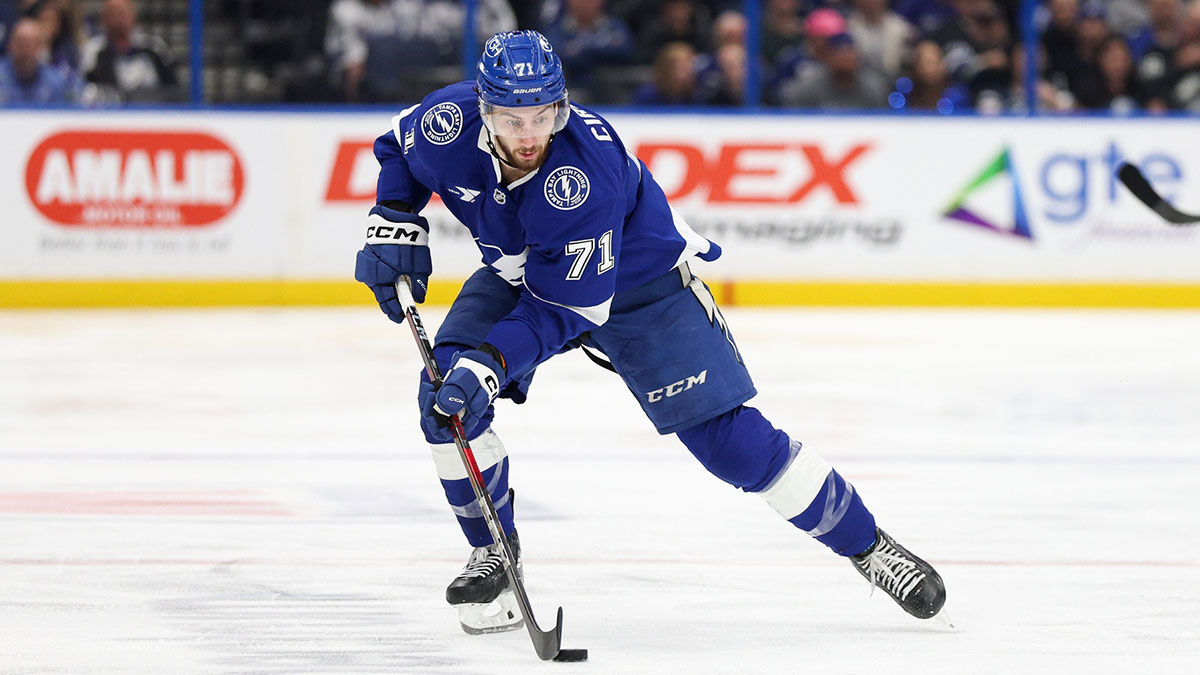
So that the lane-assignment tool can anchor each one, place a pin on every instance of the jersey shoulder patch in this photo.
(442, 123)
(567, 188)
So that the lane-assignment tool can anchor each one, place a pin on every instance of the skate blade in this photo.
(943, 619)
(498, 616)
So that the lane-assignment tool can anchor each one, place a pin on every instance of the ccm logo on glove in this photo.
(380, 231)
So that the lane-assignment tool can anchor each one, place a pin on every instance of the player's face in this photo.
(523, 134)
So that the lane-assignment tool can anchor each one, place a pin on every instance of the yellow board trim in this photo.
(225, 293)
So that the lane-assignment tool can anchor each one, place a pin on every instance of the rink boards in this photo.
(184, 208)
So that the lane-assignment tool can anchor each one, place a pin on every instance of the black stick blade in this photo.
(1133, 179)
(547, 643)
(571, 655)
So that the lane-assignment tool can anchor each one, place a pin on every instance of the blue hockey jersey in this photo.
(591, 222)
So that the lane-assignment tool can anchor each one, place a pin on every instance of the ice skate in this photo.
(481, 592)
(910, 581)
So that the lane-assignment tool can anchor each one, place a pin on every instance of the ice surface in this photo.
(247, 492)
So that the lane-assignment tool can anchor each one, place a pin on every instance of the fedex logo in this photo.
(734, 173)
(754, 173)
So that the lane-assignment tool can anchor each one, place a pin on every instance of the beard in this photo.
(524, 156)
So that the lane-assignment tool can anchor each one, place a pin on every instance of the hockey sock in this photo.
(493, 465)
(743, 449)
(815, 498)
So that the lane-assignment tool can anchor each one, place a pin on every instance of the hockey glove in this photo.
(397, 245)
(467, 390)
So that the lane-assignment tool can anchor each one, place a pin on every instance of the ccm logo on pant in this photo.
(677, 387)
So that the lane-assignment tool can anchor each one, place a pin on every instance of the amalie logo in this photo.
(104, 177)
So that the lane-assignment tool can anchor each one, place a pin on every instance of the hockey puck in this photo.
(571, 655)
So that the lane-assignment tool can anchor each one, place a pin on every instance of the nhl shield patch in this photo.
(566, 188)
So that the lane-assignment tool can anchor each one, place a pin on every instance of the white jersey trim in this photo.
(597, 314)
(693, 243)
(400, 118)
(482, 144)
(510, 268)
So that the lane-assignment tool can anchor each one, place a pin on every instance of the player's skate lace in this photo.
(891, 570)
(484, 560)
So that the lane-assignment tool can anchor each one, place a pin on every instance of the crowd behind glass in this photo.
(940, 56)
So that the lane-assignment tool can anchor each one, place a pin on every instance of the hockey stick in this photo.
(1133, 179)
(547, 644)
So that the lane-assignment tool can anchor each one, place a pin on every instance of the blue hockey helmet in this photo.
(519, 69)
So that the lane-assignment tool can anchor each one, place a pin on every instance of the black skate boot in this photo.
(481, 592)
(912, 582)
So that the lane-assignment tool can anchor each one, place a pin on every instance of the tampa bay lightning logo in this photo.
(567, 188)
(545, 43)
(442, 123)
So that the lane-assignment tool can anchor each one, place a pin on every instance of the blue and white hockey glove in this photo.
(468, 389)
(397, 245)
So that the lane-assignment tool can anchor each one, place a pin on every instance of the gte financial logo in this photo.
(103, 178)
(733, 173)
(1066, 188)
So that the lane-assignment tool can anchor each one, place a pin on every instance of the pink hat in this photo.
(824, 23)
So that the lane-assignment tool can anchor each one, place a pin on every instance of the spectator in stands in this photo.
(1185, 94)
(929, 86)
(676, 21)
(1112, 85)
(1060, 41)
(674, 80)
(587, 37)
(527, 12)
(61, 24)
(839, 81)
(883, 36)
(138, 66)
(1161, 32)
(416, 33)
(729, 85)
(1154, 47)
(976, 47)
(782, 27)
(1010, 96)
(820, 26)
(8, 16)
(790, 66)
(24, 79)
(928, 16)
(1091, 30)
(990, 71)
(1126, 16)
(729, 28)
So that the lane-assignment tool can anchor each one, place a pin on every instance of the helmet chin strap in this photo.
(492, 147)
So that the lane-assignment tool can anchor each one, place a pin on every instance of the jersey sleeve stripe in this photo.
(693, 243)
(597, 314)
(400, 118)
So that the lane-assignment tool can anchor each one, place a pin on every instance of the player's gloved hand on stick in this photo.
(468, 389)
(397, 245)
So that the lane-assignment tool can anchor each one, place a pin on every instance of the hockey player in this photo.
(581, 249)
